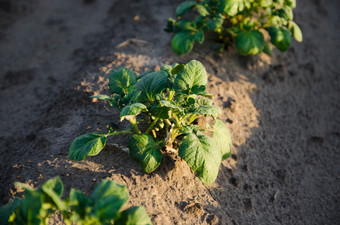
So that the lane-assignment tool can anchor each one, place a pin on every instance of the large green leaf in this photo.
(144, 151)
(295, 31)
(131, 111)
(184, 7)
(108, 197)
(250, 42)
(192, 79)
(182, 42)
(222, 139)
(134, 216)
(86, 145)
(121, 80)
(202, 155)
(54, 188)
(7, 210)
(151, 85)
(280, 37)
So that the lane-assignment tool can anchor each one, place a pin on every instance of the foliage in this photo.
(168, 102)
(241, 21)
(101, 207)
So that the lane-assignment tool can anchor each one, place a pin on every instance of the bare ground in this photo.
(282, 111)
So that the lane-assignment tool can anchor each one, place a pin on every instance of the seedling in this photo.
(168, 101)
(101, 207)
(243, 22)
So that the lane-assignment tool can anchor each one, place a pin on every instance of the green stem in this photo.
(166, 128)
(174, 134)
(171, 95)
(192, 118)
(119, 132)
(151, 125)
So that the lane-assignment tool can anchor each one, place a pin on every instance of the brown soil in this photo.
(282, 111)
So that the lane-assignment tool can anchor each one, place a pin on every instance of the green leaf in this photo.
(202, 155)
(134, 216)
(184, 7)
(290, 3)
(266, 3)
(295, 31)
(182, 42)
(121, 80)
(108, 197)
(79, 205)
(202, 10)
(172, 105)
(190, 129)
(199, 36)
(192, 79)
(7, 210)
(204, 101)
(286, 13)
(186, 25)
(151, 85)
(102, 97)
(206, 110)
(159, 111)
(232, 7)
(54, 188)
(131, 111)
(144, 74)
(30, 210)
(178, 68)
(222, 139)
(280, 37)
(267, 48)
(276, 21)
(215, 23)
(250, 42)
(170, 25)
(144, 151)
(86, 145)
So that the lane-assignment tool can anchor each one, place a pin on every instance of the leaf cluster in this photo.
(101, 207)
(243, 22)
(168, 102)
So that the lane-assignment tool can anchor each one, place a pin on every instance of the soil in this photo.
(282, 111)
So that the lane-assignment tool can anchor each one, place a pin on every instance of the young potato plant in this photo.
(168, 101)
(101, 207)
(243, 22)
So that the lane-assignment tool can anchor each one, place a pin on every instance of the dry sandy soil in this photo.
(283, 111)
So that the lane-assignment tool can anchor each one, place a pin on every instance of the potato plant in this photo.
(162, 108)
(103, 206)
(243, 22)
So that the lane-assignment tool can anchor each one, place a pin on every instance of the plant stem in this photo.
(171, 95)
(151, 125)
(119, 132)
(192, 118)
(134, 124)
